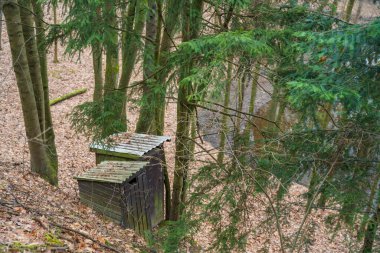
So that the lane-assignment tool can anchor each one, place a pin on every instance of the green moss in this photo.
(52, 240)
(67, 96)
(21, 247)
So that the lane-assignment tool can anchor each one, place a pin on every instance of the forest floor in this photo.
(35, 214)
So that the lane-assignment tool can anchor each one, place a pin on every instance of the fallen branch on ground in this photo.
(84, 235)
(52, 223)
(67, 96)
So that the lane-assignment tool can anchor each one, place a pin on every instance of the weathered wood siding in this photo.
(135, 202)
(105, 198)
(155, 186)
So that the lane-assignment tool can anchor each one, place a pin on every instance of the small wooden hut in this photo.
(133, 147)
(118, 190)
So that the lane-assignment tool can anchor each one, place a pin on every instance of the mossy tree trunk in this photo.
(358, 12)
(224, 123)
(248, 133)
(97, 64)
(173, 9)
(371, 231)
(146, 117)
(111, 48)
(55, 60)
(373, 223)
(255, 79)
(41, 45)
(372, 214)
(97, 57)
(33, 59)
(145, 123)
(134, 27)
(183, 127)
(276, 110)
(239, 141)
(348, 11)
(38, 151)
(192, 13)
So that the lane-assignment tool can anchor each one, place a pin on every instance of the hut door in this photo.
(135, 204)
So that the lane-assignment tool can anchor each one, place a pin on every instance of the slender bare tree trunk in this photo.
(146, 117)
(240, 98)
(249, 127)
(33, 58)
(158, 33)
(130, 44)
(1, 22)
(41, 46)
(238, 138)
(55, 41)
(275, 111)
(97, 64)
(349, 7)
(373, 220)
(224, 125)
(171, 19)
(39, 160)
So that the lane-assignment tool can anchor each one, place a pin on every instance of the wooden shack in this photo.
(118, 190)
(140, 147)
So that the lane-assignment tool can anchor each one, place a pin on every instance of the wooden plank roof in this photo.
(130, 145)
(112, 171)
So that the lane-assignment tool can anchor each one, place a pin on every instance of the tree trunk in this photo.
(146, 117)
(350, 6)
(158, 33)
(55, 41)
(171, 20)
(182, 156)
(38, 156)
(98, 70)
(41, 46)
(226, 103)
(373, 220)
(130, 44)
(111, 47)
(1, 22)
(334, 8)
(357, 15)
(238, 138)
(251, 110)
(33, 59)
(254, 89)
(190, 30)
(275, 111)
(97, 64)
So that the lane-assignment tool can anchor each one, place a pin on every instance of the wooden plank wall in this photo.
(104, 198)
(155, 187)
(135, 200)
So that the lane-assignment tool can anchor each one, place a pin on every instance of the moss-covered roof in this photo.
(129, 145)
(112, 171)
